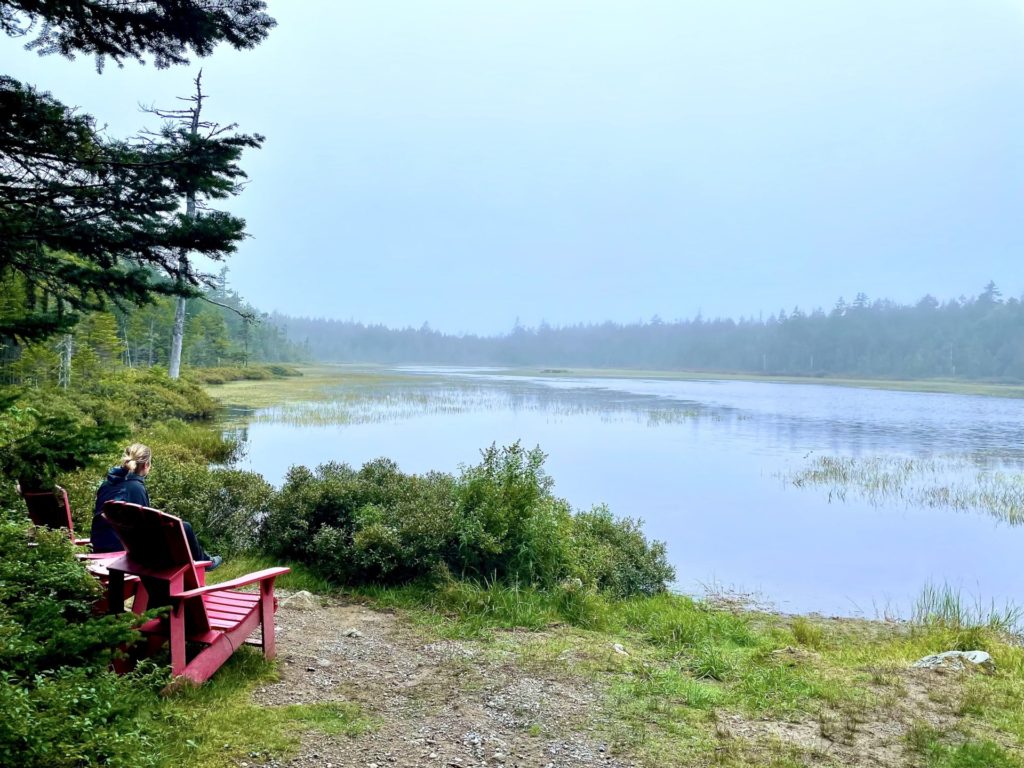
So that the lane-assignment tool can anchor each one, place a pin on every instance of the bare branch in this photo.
(249, 317)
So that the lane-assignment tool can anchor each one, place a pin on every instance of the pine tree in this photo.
(87, 220)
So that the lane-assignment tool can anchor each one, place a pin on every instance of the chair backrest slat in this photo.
(156, 542)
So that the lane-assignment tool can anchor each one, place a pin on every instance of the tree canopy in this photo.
(86, 219)
(130, 29)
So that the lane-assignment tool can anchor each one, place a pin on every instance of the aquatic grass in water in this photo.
(944, 606)
(369, 405)
(947, 483)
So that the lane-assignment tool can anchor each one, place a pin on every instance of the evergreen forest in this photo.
(971, 338)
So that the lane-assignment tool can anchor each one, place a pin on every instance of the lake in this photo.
(709, 466)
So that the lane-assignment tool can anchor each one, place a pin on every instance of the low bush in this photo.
(224, 506)
(614, 554)
(497, 520)
(61, 706)
(224, 374)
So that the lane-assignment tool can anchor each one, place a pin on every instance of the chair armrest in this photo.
(241, 581)
(98, 555)
(125, 565)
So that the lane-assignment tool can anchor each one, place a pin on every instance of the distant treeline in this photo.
(980, 337)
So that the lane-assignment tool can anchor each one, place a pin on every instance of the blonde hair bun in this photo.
(135, 456)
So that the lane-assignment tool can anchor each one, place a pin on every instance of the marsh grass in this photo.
(343, 395)
(945, 606)
(946, 483)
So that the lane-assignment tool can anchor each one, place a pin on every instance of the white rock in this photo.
(617, 647)
(958, 660)
(353, 633)
(301, 601)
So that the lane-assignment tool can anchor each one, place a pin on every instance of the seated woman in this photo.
(127, 483)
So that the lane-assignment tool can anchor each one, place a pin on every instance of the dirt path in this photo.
(443, 704)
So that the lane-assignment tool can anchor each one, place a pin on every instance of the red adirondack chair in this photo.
(216, 619)
(51, 509)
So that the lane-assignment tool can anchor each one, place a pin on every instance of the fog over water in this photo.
(467, 163)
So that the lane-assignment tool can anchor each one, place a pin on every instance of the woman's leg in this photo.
(193, 543)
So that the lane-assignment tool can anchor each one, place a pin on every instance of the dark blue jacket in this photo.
(120, 485)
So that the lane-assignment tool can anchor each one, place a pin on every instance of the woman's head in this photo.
(137, 458)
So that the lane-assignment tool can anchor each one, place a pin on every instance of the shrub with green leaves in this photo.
(614, 555)
(224, 506)
(497, 520)
(61, 706)
(46, 599)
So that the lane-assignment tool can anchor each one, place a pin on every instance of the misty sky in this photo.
(469, 162)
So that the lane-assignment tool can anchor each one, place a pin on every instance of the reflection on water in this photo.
(707, 465)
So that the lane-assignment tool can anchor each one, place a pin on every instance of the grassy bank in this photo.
(686, 683)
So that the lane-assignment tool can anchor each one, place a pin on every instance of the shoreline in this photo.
(328, 370)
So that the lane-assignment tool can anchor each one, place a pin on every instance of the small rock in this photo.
(956, 661)
(323, 662)
(353, 633)
(618, 648)
(300, 601)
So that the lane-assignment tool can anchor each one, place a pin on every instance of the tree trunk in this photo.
(67, 349)
(174, 364)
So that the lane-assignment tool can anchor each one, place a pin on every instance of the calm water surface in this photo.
(704, 464)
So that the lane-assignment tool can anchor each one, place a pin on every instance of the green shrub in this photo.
(224, 506)
(224, 374)
(42, 437)
(615, 556)
(510, 524)
(497, 520)
(307, 502)
(73, 717)
(184, 441)
(46, 599)
(60, 705)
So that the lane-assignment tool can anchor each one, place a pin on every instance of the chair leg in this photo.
(267, 618)
(177, 633)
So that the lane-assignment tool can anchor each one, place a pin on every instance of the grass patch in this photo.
(687, 665)
(301, 576)
(936, 750)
